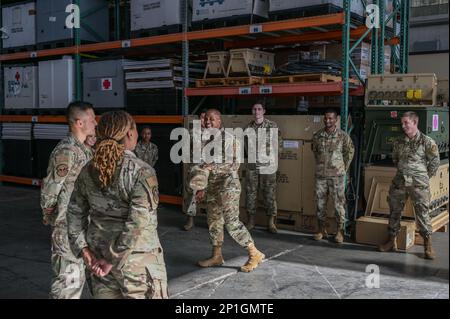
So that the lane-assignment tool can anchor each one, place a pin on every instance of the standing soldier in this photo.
(222, 191)
(255, 178)
(417, 158)
(66, 162)
(333, 150)
(112, 216)
(190, 206)
(146, 150)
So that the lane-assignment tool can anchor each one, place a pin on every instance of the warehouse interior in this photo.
(164, 61)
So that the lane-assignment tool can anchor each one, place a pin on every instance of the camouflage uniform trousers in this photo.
(142, 277)
(420, 197)
(268, 184)
(222, 200)
(335, 187)
(68, 276)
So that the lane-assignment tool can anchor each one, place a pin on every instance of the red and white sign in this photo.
(394, 114)
(107, 84)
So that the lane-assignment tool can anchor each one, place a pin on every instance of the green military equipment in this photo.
(382, 126)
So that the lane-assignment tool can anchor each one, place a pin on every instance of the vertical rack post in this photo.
(184, 8)
(1, 92)
(374, 49)
(117, 19)
(78, 92)
(404, 36)
(381, 37)
(345, 65)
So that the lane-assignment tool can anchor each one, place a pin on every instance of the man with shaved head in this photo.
(222, 190)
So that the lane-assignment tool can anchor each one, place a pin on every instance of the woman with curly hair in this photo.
(112, 216)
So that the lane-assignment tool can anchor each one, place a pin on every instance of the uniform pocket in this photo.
(157, 278)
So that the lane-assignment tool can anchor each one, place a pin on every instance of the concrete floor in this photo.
(296, 266)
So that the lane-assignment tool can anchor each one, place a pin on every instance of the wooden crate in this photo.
(217, 65)
(250, 62)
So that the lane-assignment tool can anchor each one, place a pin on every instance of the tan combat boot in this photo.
(429, 252)
(390, 245)
(189, 223)
(271, 227)
(251, 222)
(255, 257)
(215, 260)
(322, 232)
(339, 238)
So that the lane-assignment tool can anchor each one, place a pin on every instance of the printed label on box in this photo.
(290, 144)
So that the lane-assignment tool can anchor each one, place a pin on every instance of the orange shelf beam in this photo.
(168, 199)
(300, 23)
(140, 119)
(334, 88)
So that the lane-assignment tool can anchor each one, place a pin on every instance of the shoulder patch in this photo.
(153, 192)
(62, 170)
(151, 181)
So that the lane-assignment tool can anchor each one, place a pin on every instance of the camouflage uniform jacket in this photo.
(333, 152)
(417, 159)
(266, 124)
(228, 166)
(147, 152)
(119, 220)
(66, 162)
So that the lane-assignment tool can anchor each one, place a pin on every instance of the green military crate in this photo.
(382, 126)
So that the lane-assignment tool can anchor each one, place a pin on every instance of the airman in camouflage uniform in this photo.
(65, 163)
(117, 222)
(333, 151)
(254, 177)
(222, 197)
(417, 159)
(146, 150)
(190, 205)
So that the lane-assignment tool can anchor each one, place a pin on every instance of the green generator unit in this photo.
(382, 126)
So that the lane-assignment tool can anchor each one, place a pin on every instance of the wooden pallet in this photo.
(230, 81)
(299, 78)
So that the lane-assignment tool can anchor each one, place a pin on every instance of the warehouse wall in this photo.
(425, 63)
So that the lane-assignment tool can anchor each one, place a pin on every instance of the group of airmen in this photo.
(101, 198)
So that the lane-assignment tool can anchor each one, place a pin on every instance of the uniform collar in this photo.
(415, 138)
(76, 140)
(325, 133)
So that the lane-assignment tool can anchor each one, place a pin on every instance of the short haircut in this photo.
(146, 127)
(411, 115)
(331, 111)
(261, 102)
(215, 111)
(75, 109)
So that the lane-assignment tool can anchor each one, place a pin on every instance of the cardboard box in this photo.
(383, 175)
(289, 176)
(374, 231)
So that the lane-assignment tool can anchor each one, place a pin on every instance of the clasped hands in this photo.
(99, 267)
